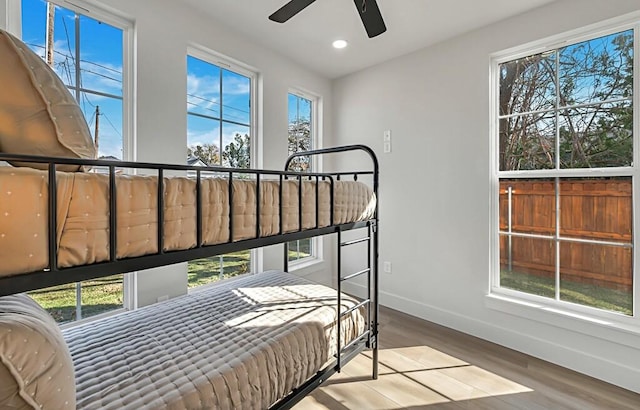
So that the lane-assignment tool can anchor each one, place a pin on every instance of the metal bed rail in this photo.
(44, 278)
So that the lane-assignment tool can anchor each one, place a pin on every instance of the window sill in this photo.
(606, 329)
(89, 319)
(306, 266)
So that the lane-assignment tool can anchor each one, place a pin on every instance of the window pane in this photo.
(237, 146)
(102, 295)
(597, 136)
(236, 92)
(203, 136)
(59, 301)
(597, 275)
(532, 203)
(596, 209)
(34, 23)
(218, 133)
(527, 142)
(588, 221)
(304, 248)
(34, 17)
(597, 70)
(104, 116)
(203, 87)
(528, 265)
(300, 132)
(528, 84)
(300, 139)
(209, 270)
(300, 249)
(101, 66)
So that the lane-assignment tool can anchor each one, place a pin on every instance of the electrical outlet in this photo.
(386, 267)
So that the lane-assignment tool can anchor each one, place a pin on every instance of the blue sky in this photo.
(229, 112)
(100, 65)
(101, 62)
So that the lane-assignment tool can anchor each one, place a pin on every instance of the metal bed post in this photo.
(53, 218)
(376, 291)
(160, 211)
(339, 310)
(372, 269)
(113, 215)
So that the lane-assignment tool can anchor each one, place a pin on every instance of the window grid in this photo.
(204, 99)
(107, 294)
(558, 174)
(301, 138)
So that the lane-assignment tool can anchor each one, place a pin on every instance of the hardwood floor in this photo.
(426, 366)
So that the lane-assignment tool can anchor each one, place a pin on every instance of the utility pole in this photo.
(51, 12)
(96, 139)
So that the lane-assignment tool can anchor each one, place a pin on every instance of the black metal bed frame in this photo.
(53, 275)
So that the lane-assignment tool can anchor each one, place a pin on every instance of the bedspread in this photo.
(243, 344)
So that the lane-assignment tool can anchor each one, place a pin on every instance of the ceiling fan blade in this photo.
(371, 17)
(289, 10)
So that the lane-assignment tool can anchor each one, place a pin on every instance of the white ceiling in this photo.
(307, 37)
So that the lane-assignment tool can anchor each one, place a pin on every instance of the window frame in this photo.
(227, 63)
(96, 12)
(530, 305)
(316, 255)
(224, 62)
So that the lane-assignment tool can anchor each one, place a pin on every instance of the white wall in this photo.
(163, 30)
(437, 234)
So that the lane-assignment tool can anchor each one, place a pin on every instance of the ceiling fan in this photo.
(368, 10)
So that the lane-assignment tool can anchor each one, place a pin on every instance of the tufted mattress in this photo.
(83, 214)
(242, 344)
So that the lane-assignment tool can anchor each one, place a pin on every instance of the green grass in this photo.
(207, 270)
(105, 294)
(98, 296)
(570, 291)
(299, 249)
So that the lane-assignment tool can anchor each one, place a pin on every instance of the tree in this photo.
(208, 153)
(580, 77)
(299, 140)
(238, 153)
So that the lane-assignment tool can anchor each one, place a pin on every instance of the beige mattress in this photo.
(242, 344)
(83, 214)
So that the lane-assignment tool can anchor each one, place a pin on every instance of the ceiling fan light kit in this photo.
(367, 9)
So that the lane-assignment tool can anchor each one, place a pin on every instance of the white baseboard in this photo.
(611, 372)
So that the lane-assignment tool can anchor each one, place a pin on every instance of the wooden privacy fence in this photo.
(590, 209)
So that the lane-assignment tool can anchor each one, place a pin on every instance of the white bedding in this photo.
(241, 344)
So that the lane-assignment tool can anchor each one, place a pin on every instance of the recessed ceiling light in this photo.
(339, 44)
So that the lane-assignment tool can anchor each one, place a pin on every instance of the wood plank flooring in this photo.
(426, 366)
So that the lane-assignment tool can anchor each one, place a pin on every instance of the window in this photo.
(565, 172)
(88, 53)
(301, 138)
(219, 124)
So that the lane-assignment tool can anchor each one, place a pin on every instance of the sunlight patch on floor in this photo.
(408, 377)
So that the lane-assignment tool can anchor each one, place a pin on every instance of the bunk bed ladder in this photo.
(370, 332)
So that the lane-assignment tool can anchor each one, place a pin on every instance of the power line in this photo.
(110, 123)
(217, 103)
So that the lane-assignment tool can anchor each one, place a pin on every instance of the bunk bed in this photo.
(265, 340)
(262, 341)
